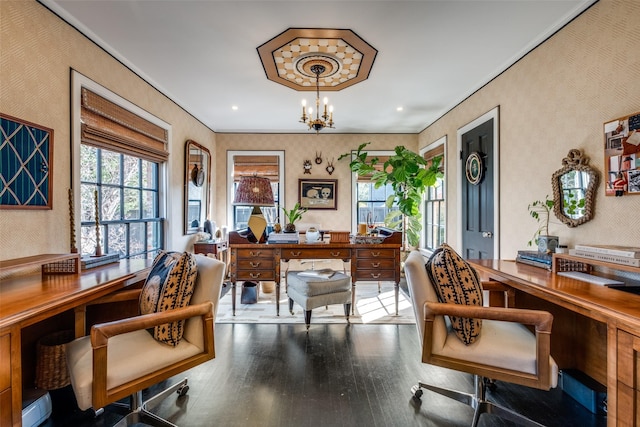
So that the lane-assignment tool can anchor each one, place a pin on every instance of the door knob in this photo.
(487, 234)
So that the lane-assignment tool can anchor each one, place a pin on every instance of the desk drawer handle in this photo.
(257, 253)
(375, 276)
(254, 264)
(255, 275)
(335, 254)
(375, 254)
(295, 253)
(375, 264)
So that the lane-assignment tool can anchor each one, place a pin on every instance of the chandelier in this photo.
(324, 120)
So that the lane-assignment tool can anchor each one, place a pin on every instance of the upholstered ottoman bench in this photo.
(312, 292)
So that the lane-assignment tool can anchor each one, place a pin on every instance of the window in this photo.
(268, 164)
(370, 202)
(121, 153)
(435, 212)
(126, 194)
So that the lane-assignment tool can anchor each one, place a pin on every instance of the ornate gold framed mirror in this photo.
(574, 189)
(197, 182)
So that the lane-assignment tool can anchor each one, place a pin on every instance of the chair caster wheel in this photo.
(182, 391)
(417, 391)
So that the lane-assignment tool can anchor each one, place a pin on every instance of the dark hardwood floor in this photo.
(335, 375)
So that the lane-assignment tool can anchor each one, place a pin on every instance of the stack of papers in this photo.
(283, 237)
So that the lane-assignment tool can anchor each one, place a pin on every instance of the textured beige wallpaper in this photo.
(38, 51)
(555, 99)
(301, 147)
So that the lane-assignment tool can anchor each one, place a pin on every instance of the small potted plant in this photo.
(292, 215)
(540, 210)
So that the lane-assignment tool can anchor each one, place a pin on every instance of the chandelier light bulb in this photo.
(304, 102)
(326, 100)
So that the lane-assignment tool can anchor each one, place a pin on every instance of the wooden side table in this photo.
(219, 248)
(215, 247)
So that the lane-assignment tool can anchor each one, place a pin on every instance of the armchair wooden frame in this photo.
(541, 320)
(537, 321)
(100, 335)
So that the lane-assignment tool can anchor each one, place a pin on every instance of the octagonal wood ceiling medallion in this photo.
(288, 57)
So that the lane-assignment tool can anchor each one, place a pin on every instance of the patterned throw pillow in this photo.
(456, 282)
(169, 286)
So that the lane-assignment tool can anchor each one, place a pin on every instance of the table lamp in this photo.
(255, 191)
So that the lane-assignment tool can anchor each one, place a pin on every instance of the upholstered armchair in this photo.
(504, 348)
(121, 358)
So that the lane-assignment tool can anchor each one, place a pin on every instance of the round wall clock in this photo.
(474, 168)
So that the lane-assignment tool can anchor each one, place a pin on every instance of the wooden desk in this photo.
(29, 299)
(595, 329)
(258, 262)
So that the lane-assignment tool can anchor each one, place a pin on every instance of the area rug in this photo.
(372, 307)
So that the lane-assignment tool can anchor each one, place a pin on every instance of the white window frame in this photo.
(281, 177)
(435, 144)
(78, 81)
(354, 186)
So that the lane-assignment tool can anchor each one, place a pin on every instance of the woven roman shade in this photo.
(263, 166)
(378, 167)
(110, 126)
(429, 156)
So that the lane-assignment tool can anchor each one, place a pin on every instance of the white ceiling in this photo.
(431, 54)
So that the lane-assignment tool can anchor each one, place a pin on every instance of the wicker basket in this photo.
(51, 367)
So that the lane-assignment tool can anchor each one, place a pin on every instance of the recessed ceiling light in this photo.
(399, 109)
(234, 107)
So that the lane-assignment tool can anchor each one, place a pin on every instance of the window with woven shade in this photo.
(434, 204)
(371, 201)
(122, 155)
(262, 165)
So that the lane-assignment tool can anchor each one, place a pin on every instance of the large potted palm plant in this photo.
(409, 175)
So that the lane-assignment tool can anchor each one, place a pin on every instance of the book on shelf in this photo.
(615, 259)
(325, 273)
(617, 250)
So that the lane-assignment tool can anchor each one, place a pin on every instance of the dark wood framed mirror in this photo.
(197, 186)
(574, 189)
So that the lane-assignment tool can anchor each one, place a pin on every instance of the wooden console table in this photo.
(35, 303)
(595, 329)
(261, 262)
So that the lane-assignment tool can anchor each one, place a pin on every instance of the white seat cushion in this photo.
(496, 335)
(312, 286)
(137, 354)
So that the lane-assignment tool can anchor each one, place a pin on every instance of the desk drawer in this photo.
(256, 264)
(255, 253)
(375, 253)
(209, 248)
(316, 253)
(269, 275)
(375, 275)
(379, 263)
